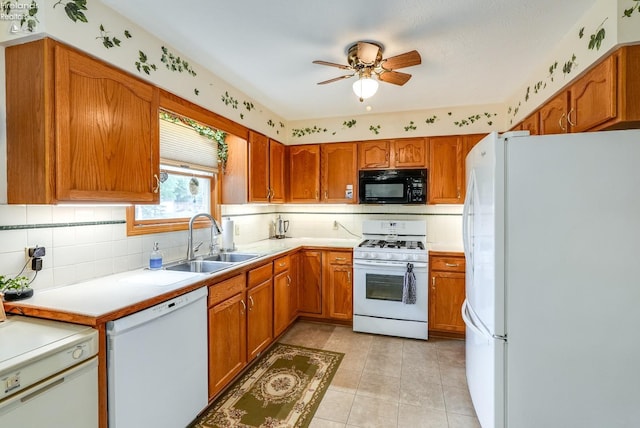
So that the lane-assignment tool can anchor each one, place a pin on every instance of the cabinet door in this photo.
(259, 318)
(339, 285)
(294, 274)
(227, 342)
(304, 169)
(445, 302)
(276, 172)
(553, 115)
(594, 96)
(258, 149)
(374, 154)
(532, 124)
(446, 178)
(107, 132)
(409, 153)
(339, 169)
(281, 302)
(310, 285)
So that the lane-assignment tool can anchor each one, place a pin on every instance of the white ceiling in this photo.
(473, 51)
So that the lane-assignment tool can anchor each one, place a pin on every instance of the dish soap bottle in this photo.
(155, 259)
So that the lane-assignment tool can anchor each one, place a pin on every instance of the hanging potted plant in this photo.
(15, 288)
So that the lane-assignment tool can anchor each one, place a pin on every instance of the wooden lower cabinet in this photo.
(310, 283)
(446, 294)
(259, 317)
(325, 287)
(339, 285)
(227, 332)
(240, 323)
(284, 296)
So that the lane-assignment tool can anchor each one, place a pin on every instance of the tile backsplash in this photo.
(84, 242)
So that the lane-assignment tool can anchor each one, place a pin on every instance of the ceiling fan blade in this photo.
(395, 77)
(406, 59)
(332, 64)
(367, 52)
(335, 79)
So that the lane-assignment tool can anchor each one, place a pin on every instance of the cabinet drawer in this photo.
(259, 275)
(449, 264)
(340, 257)
(225, 289)
(281, 264)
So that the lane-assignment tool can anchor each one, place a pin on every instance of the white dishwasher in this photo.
(157, 367)
(48, 374)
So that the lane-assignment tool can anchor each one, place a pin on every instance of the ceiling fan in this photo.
(365, 61)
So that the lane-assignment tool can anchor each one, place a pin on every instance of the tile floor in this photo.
(389, 382)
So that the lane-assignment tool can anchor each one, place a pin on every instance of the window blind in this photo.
(183, 144)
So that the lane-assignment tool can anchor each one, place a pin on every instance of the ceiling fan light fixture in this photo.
(365, 87)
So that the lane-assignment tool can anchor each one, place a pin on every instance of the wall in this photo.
(444, 222)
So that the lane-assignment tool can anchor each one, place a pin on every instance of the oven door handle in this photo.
(393, 264)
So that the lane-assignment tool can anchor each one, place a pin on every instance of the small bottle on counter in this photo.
(155, 259)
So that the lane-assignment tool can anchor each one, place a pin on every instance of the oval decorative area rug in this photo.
(281, 390)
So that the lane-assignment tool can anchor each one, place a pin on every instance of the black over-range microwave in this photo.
(393, 186)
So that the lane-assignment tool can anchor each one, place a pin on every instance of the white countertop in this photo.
(100, 296)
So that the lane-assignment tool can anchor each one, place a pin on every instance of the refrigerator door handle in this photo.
(466, 317)
(465, 216)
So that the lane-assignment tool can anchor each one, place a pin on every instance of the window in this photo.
(188, 178)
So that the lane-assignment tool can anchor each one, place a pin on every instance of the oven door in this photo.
(377, 290)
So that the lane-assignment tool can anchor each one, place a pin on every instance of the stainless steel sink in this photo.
(205, 266)
(232, 257)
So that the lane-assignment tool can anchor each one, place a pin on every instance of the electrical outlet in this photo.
(236, 230)
(36, 251)
(335, 225)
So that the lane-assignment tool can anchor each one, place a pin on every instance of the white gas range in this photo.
(381, 261)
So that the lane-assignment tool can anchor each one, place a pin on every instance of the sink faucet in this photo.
(215, 231)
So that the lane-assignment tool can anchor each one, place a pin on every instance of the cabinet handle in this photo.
(252, 303)
(569, 118)
(349, 276)
(269, 193)
(157, 188)
(458, 194)
(282, 264)
(288, 280)
(560, 122)
(317, 195)
(326, 195)
(244, 307)
(451, 264)
(340, 258)
(433, 282)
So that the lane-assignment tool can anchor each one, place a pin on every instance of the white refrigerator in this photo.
(551, 228)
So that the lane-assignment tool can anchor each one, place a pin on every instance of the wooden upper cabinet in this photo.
(339, 169)
(409, 153)
(593, 96)
(304, 172)
(258, 150)
(446, 176)
(532, 124)
(399, 153)
(553, 115)
(276, 172)
(374, 154)
(78, 130)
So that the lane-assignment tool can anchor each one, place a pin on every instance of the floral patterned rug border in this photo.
(283, 389)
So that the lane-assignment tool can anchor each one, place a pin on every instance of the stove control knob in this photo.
(371, 255)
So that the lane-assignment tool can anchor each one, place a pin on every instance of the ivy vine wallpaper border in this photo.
(596, 38)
